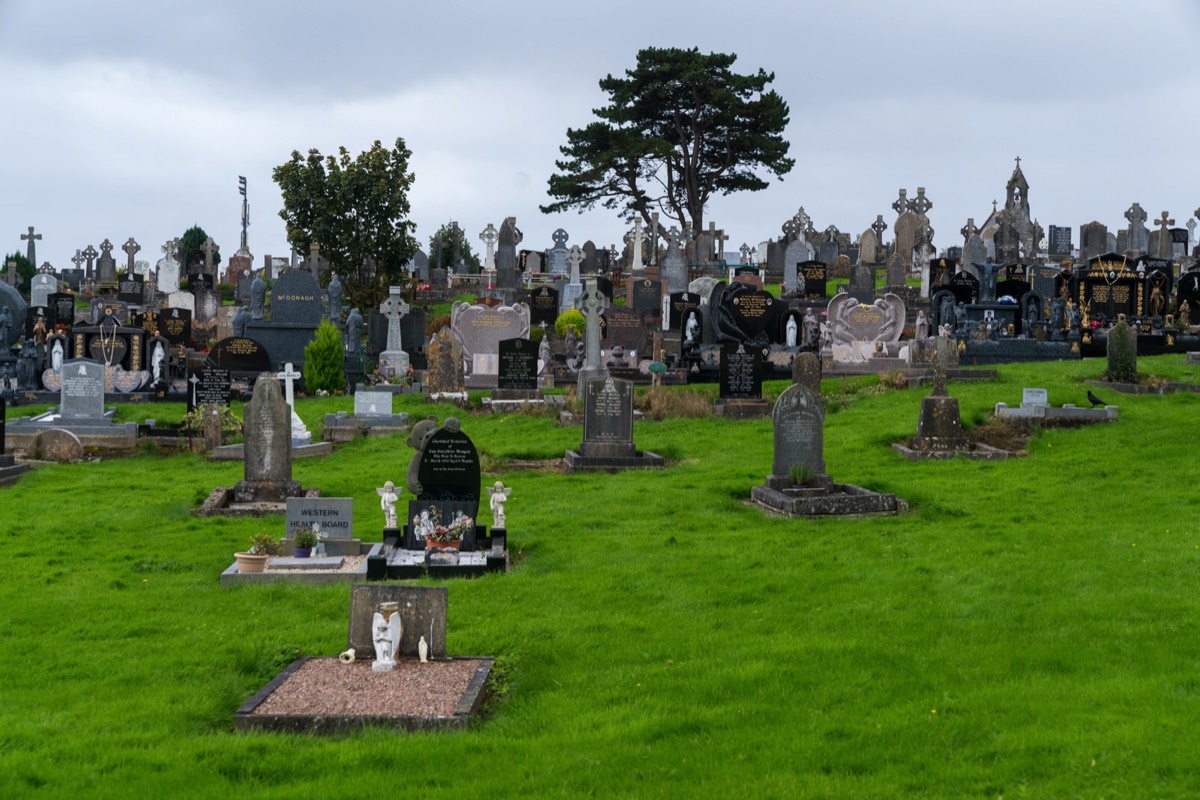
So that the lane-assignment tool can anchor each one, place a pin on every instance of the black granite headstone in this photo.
(741, 372)
(543, 306)
(604, 286)
(678, 305)
(62, 307)
(199, 281)
(620, 326)
(449, 468)
(239, 354)
(647, 295)
(814, 274)
(210, 386)
(175, 325)
(296, 299)
(130, 288)
(518, 367)
(72, 277)
(1060, 242)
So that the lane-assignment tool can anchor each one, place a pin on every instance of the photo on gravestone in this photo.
(240, 356)
(810, 279)
(518, 364)
(131, 288)
(543, 306)
(175, 325)
(646, 295)
(741, 372)
(207, 386)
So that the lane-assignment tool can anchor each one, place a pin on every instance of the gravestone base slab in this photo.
(939, 451)
(573, 461)
(316, 572)
(222, 502)
(342, 427)
(1067, 412)
(1012, 351)
(840, 499)
(286, 704)
(517, 394)
(741, 409)
(10, 470)
(403, 564)
(236, 452)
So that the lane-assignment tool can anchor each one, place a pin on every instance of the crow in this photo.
(1095, 401)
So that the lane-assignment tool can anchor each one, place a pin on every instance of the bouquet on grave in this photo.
(454, 531)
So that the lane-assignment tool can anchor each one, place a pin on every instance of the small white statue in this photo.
(387, 639)
(691, 329)
(423, 650)
(791, 331)
(499, 495)
(387, 501)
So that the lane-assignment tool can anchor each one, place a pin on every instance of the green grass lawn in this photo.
(1028, 629)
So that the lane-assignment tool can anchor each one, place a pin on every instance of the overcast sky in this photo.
(136, 117)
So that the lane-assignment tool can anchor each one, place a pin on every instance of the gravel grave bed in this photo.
(350, 564)
(326, 686)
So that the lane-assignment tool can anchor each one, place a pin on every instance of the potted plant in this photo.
(304, 539)
(262, 547)
(448, 536)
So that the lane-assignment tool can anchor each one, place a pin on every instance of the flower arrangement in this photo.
(264, 544)
(306, 536)
(453, 532)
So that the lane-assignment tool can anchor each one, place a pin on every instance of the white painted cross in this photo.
(289, 376)
(489, 237)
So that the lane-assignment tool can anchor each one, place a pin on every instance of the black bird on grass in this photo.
(1095, 401)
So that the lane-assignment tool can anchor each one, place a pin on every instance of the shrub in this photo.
(1122, 354)
(323, 360)
(659, 403)
(571, 318)
(536, 333)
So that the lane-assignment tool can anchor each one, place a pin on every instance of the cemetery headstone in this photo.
(741, 372)
(82, 393)
(518, 368)
(368, 403)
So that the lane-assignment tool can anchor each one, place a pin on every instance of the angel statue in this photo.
(499, 495)
(386, 635)
(387, 502)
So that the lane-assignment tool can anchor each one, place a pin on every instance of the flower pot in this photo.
(301, 552)
(249, 562)
(430, 544)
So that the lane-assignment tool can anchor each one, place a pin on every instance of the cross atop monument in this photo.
(289, 376)
(920, 204)
(879, 226)
(31, 251)
(1136, 215)
(1164, 236)
(634, 239)
(969, 230)
(90, 254)
(592, 303)
(394, 308)
(745, 250)
(720, 238)
(791, 228)
(46, 269)
(901, 204)
(106, 247)
(77, 259)
(489, 237)
(209, 247)
(575, 258)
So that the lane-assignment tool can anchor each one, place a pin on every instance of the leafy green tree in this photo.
(25, 269)
(680, 128)
(454, 243)
(357, 212)
(190, 248)
(323, 360)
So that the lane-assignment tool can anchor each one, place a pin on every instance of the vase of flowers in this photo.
(448, 536)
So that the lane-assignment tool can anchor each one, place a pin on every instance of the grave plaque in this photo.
(372, 404)
(209, 386)
(518, 366)
(82, 394)
(130, 288)
(741, 372)
(175, 325)
(1031, 397)
(333, 515)
(1060, 242)
(543, 306)
(608, 412)
(810, 279)
(646, 295)
(680, 304)
(449, 468)
(239, 354)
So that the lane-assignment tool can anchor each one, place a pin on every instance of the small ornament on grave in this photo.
(499, 495)
(387, 502)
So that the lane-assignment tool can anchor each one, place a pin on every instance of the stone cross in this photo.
(394, 308)
(803, 219)
(901, 204)
(106, 247)
(194, 380)
(634, 238)
(489, 237)
(745, 250)
(592, 303)
(791, 229)
(314, 257)
(612, 256)
(879, 226)
(1164, 236)
(289, 376)
(1191, 226)
(720, 238)
(920, 204)
(208, 247)
(31, 252)
(46, 269)
(969, 230)
(10, 274)
(90, 254)
(1136, 215)
(77, 259)
(574, 258)
(653, 238)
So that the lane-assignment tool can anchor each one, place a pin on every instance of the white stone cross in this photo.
(489, 237)
(574, 258)
(289, 376)
(394, 308)
(635, 265)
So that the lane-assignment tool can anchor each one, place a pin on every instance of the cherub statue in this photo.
(387, 502)
(386, 635)
(499, 495)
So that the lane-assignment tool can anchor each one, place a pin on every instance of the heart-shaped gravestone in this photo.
(754, 310)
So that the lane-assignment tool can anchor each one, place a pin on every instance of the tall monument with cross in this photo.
(393, 361)
(592, 303)
(300, 433)
(31, 250)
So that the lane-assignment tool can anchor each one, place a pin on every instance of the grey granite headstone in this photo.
(296, 299)
(372, 404)
(797, 252)
(608, 419)
(268, 434)
(799, 420)
(480, 329)
(422, 613)
(82, 394)
(334, 515)
(41, 286)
